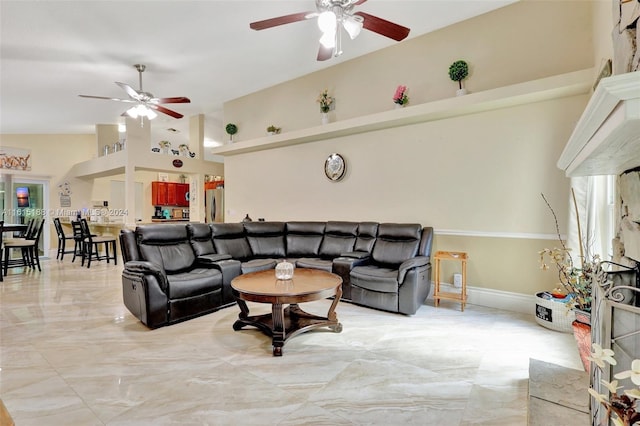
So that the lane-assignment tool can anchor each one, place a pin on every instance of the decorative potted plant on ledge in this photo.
(273, 130)
(458, 71)
(400, 98)
(184, 149)
(325, 102)
(165, 145)
(231, 130)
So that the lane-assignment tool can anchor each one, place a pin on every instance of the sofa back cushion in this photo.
(128, 245)
(166, 245)
(304, 238)
(426, 241)
(396, 242)
(230, 238)
(339, 237)
(367, 232)
(200, 238)
(266, 239)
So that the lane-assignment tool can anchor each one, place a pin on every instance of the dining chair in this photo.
(1, 246)
(30, 256)
(91, 245)
(62, 239)
(28, 231)
(78, 246)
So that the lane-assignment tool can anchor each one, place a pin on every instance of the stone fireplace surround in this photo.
(606, 141)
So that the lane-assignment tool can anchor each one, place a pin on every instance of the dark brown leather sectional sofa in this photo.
(174, 272)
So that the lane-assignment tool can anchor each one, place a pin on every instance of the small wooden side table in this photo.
(437, 293)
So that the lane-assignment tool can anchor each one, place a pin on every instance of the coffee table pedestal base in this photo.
(284, 323)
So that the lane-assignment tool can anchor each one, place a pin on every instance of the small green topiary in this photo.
(231, 129)
(458, 71)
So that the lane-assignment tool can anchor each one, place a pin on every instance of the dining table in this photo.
(14, 227)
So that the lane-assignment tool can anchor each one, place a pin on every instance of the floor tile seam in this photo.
(556, 403)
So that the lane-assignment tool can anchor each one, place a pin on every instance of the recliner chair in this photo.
(397, 275)
(163, 281)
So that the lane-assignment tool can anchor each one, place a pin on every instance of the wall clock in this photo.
(335, 167)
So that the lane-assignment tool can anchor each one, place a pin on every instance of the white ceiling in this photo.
(52, 51)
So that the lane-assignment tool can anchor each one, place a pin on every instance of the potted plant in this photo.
(400, 98)
(165, 145)
(231, 130)
(577, 280)
(458, 71)
(273, 130)
(325, 102)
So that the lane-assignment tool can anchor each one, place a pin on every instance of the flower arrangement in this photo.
(400, 96)
(325, 101)
(164, 144)
(623, 406)
(576, 281)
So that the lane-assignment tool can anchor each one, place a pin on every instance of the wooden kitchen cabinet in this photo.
(182, 191)
(159, 193)
(169, 194)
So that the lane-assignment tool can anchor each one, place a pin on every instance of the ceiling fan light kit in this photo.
(333, 14)
(146, 104)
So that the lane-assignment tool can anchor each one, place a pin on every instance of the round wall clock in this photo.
(335, 167)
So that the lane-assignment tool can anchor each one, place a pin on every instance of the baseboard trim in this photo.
(497, 299)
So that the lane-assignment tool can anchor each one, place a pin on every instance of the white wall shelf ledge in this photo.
(570, 84)
(606, 140)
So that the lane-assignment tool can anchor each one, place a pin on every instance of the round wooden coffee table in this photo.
(283, 323)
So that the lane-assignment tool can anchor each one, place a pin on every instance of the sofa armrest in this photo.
(140, 267)
(355, 254)
(414, 262)
(230, 268)
(208, 259)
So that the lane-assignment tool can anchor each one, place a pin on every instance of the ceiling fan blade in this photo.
(384, 27)
(281, 20)
(164, 110)
(324, 53)
(109, 99)
(130, 91)
(174, 100)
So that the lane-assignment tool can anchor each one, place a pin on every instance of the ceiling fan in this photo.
(331, 15)
(145, 103)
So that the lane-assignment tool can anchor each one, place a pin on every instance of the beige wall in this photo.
(51, 158)
(602, 26)
(504, 47)
(476, 179)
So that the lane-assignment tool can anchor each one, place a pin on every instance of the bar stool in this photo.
(91, 245)
(62, 239)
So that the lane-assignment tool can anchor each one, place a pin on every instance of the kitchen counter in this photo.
(169, 220)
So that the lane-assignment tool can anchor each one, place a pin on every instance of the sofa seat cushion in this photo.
(258, 265)
(315, 263)
(374, 278)
(193, 283)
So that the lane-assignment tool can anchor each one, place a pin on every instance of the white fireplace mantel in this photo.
(606, 140)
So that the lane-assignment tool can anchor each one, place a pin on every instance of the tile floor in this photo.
(71, 354)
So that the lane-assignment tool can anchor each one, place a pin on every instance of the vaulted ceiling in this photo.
(52, 51)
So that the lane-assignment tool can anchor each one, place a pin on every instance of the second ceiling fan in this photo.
(144, 103)
(333, 14)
